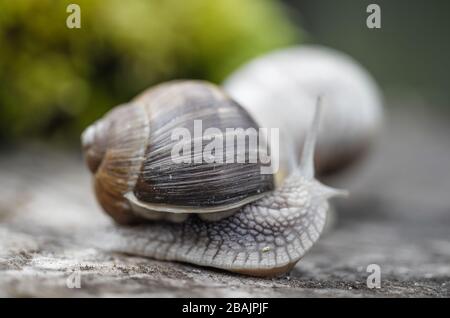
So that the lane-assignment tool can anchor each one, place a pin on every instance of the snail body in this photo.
(264, 238)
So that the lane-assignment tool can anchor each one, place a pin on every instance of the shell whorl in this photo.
(124, 132)
(94, 142)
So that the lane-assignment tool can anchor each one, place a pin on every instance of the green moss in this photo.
(54, 80)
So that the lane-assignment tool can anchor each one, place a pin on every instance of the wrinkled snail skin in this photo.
(264, 238)
(129, 153)
(287, 82)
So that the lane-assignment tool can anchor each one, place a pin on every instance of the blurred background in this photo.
(54, 81)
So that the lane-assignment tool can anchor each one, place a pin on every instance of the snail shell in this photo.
(280, 90)
(129, 151)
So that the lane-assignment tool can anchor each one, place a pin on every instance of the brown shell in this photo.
(134, 143)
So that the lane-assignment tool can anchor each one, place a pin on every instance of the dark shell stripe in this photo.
(203, 184)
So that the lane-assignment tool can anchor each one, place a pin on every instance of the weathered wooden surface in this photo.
(398, 217)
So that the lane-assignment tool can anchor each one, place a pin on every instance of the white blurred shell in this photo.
(280, 90)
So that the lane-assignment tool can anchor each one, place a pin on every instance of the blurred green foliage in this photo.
(54, 81)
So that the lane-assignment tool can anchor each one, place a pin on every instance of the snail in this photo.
(228, 215)
(287, 82)
(263, 235)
